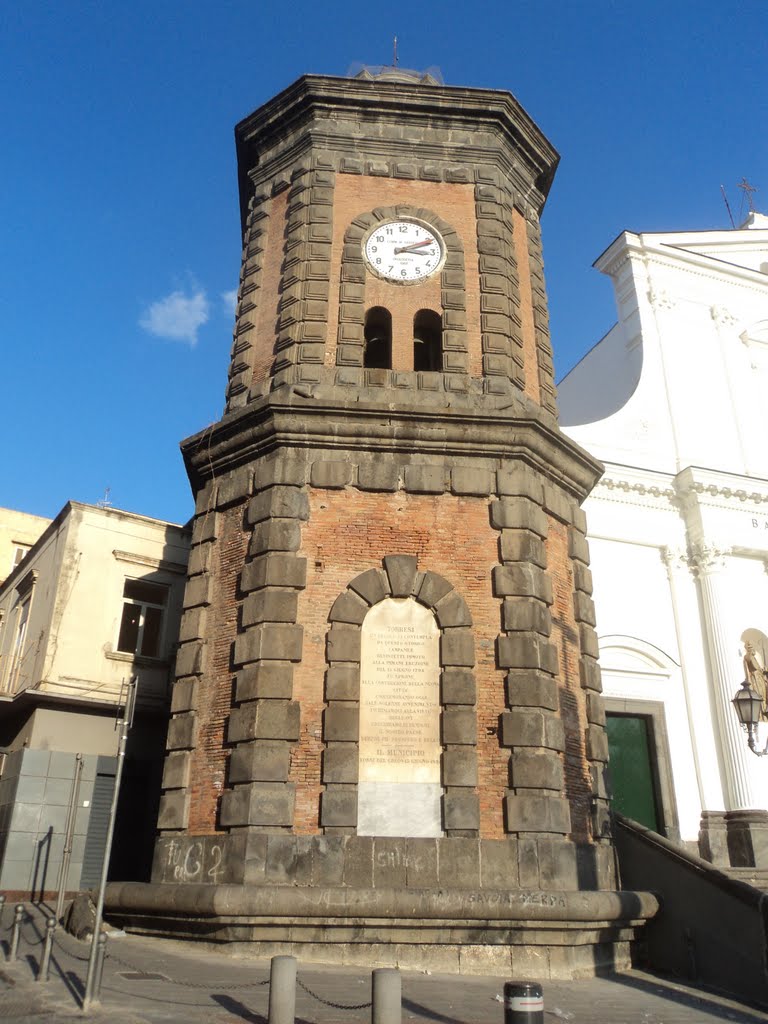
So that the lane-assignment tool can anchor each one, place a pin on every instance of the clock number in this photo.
(403, 273)
(418, 271)
(379, 238)
(374, 248)
(378, 259)
(391, 269)
(403, 229)
(389, 231)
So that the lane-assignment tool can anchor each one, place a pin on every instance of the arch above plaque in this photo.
(399, 791)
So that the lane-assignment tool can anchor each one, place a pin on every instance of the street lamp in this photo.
(749, 708)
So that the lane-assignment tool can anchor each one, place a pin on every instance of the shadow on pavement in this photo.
(665, 989)
(427, 1014)
(239, 1009)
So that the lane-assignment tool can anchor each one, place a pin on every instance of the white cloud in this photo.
(178, 316)
(230, 301)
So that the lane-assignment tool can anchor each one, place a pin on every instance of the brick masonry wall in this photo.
(347, 533)
(357, 194)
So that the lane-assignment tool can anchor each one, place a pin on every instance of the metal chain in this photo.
(328, 1002)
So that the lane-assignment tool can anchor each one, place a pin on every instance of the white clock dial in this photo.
(404, 250)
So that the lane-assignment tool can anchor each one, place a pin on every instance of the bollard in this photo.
(101, 953)
(45, 960)
(282, 990)
(18, 914)
(523, 1003)
(386, 995)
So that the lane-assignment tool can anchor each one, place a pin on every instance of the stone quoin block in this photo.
(582, 577)
(520, 482)
(269, 642)
(343, 644)
(597, 743)
(193, 624)
(589, 675)
(264, 719)
(176, 769)
(258, 803)
(339, 807)
(519, 514)
(522, 546)
(173, 813)
(285, 470)
(459, 767)
(184, 695)
(521, 580)
(583, 608)
(527, 650)
(340, 763)
(588, 641)
(260, 761)
(378, 476)
(205, 527)
(556, 503)
(274, 570)
(182, 733)
(532, 689)
(270, 679)
(595, 709)
(341, 722)
(457, 686)
(272, 604)
(466, 480)
(190, 658)
(579, 519)
(523, 614)
(200, 557)
(342, 681)
(537, 813)
(527, 727)
(578, 547)
(425, 479)
(461, 810)
(275, 535)
(234, 487)
(197, 591)
(458, 725)
(331, 474)
(457, 648)
(536, 769)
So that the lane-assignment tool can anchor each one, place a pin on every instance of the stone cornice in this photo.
(313, 110)
(287, 419)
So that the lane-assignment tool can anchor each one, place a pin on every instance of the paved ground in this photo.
(149, 980)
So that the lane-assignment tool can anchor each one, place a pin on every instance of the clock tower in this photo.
(388, 736)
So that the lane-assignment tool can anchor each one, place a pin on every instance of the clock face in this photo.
(407, 251)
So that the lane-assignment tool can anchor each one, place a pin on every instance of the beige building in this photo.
(18, 532)
(95, 601)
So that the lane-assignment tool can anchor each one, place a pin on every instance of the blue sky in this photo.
(120, 214)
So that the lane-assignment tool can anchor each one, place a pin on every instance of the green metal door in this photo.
(633, 768)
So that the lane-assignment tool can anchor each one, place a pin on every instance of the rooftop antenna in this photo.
(105, 502)
(748, 191)
(727, 205)
(394, 55)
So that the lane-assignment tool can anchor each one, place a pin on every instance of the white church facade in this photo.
(674, 401)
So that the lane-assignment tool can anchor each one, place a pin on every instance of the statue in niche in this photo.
(755, 674)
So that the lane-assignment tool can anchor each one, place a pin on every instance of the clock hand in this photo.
(414, 245)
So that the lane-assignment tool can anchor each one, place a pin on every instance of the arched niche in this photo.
(363, 618)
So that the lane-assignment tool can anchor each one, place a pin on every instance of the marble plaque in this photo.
(399, 773)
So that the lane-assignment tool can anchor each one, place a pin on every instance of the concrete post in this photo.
(18, 916)
(386, 988)
(45, 959)
(282, 990)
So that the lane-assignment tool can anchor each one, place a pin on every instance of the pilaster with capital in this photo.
(709, 566)
(691, 642)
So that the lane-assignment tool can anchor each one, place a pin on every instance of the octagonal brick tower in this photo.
(388, 737)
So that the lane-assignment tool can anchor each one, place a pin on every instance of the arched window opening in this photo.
(427, 340)
(378, 339)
